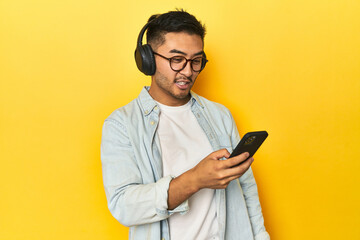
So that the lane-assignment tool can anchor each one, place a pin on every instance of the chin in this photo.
(182, 96)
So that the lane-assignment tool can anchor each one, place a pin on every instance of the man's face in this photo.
(168, 86)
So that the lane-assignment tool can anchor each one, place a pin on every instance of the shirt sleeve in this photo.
(131, 201)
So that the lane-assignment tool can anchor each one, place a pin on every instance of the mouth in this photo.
(182, 84)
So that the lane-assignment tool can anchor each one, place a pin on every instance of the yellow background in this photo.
(289, 67)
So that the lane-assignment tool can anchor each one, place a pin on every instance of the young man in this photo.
(165, 156)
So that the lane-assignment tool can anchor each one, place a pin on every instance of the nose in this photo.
(187, 71)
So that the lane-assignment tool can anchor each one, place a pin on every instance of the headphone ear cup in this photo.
(145, 60)
(203, 64)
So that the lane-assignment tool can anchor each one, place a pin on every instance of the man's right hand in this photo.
(214, 173)
(211, 172)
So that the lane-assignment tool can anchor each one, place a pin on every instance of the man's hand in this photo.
(211, 172)
(217, 174)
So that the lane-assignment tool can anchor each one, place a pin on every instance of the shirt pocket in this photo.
(225, 142)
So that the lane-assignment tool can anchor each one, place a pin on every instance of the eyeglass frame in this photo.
(186, 61)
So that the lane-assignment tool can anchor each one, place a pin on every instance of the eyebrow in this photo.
(181, 52)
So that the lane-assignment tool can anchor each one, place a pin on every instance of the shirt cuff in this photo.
(162, 198)
(262, 236)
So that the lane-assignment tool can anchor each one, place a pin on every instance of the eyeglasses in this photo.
(178, 63)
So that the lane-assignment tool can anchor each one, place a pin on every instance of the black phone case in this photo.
(250, 143)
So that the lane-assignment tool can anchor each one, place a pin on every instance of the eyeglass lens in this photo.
(178, 63)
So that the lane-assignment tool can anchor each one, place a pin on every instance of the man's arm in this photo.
(130, 201)
(211, 172)
(249, 187)
(133, 203)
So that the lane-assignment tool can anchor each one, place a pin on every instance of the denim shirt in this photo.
(136, 189)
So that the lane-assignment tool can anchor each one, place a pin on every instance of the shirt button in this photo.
(152, 122)
(155, 107)
(146, 112)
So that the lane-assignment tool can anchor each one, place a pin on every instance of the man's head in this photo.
(173, 21)
(176, 40)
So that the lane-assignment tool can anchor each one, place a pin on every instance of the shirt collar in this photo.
(195, 99)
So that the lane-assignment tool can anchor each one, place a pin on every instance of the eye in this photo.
(177, 59)
(197, 61)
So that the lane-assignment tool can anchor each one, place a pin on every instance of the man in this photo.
(164, 155)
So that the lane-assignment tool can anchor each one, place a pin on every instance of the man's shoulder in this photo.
(135, 108)
(210, 105)
(124, 111)
(218, 116)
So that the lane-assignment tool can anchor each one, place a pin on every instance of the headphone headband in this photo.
(141, 34)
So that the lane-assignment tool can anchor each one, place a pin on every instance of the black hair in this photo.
(173, 21)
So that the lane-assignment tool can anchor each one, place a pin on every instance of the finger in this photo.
(244, 166)
(231, 162)
(222, 153)
(225, 182)
(238, 171)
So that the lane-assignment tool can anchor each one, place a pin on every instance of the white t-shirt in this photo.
(183, 145)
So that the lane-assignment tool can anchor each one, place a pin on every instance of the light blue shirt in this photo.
(136, 189)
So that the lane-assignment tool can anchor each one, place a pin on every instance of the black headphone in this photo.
(144, 55)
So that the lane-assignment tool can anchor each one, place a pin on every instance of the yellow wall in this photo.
(289, 67)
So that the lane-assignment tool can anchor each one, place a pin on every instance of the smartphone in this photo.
(250, 143)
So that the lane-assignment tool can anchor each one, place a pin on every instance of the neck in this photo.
(167, 99)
